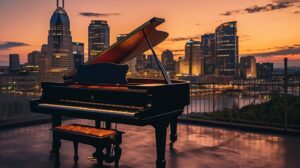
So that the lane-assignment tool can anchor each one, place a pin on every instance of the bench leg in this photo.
(56, 145)
(99, 156)
(118, 152)
(75, 144)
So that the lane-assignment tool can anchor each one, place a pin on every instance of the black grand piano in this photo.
(100, 91)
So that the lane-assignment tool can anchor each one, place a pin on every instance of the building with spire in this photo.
(57, 59)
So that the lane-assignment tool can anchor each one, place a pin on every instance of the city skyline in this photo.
(257, 25)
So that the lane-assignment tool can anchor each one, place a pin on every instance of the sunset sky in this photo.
(268, 29)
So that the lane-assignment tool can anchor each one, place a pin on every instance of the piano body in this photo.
(100, 91)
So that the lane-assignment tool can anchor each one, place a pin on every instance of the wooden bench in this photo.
(100, 138)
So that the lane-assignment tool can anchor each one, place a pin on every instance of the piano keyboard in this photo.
(87, 109)
(134, 108)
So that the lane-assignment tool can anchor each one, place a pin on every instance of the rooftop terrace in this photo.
(197, 146)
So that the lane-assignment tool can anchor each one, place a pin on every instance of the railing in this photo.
(257, 102)
(254, 102)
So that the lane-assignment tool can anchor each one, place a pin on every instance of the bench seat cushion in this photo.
(86, 130)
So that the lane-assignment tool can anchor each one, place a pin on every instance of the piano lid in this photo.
(133, 45)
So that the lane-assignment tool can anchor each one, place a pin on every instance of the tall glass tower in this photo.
(209, 52)
(98, 37)
(58, 59)
(227, 49)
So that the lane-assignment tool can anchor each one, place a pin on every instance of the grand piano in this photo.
(100, 91)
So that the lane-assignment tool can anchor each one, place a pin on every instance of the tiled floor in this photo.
(197, 147)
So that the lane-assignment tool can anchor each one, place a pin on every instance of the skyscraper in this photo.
(58, 59)
(14, 62)
(167, 59)
(209, 52)
(151, 63)
(98, 37)
(78, 53)
(194, 55)
(227, 49)
(248, 67)
(33, 58)
(264, 70)
(141, 63)
(121, 36)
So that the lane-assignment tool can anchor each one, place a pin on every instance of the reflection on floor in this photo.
(196, 147)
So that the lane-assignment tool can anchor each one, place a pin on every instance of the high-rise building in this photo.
(227, 49)
(151, 63)
(121, 36)
(58, 59)
(33, 58)
(98, 37)
(78, 53)
(209, 52)
(14, 62)
(264, 70)
(248, 67)
(193, 53)
(141, 63)
(167, 59)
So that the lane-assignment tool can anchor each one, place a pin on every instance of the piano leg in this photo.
(56, 121)
(97, 125)
(173, 135)
(160, 136)
(109, 158)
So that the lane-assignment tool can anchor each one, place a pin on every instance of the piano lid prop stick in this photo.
(161, 67)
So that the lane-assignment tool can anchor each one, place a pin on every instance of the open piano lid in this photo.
(133, 45)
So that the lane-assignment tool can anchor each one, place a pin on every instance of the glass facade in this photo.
(264, 70)
(167, 59)
(14, 62)
(193, 54)
(78, 53)
(99, 32)
(57, 56)
(209, 52)
(227, 49)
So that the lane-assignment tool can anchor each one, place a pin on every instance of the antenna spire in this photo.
(57, 3)
(63, 4)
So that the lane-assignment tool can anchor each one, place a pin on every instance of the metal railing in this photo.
(257, 102)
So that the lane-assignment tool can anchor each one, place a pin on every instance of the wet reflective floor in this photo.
(197, 147)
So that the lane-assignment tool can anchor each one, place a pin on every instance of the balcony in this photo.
(197, 146)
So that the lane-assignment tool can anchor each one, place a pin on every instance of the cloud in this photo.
(177, 50)
(184, 38)
(11, 44)
(282, 50)
(93, 14)
(229, 13)
(276, 5)
(297, 12)
(244, 37)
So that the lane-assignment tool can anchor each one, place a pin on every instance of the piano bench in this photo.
(100, 138)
